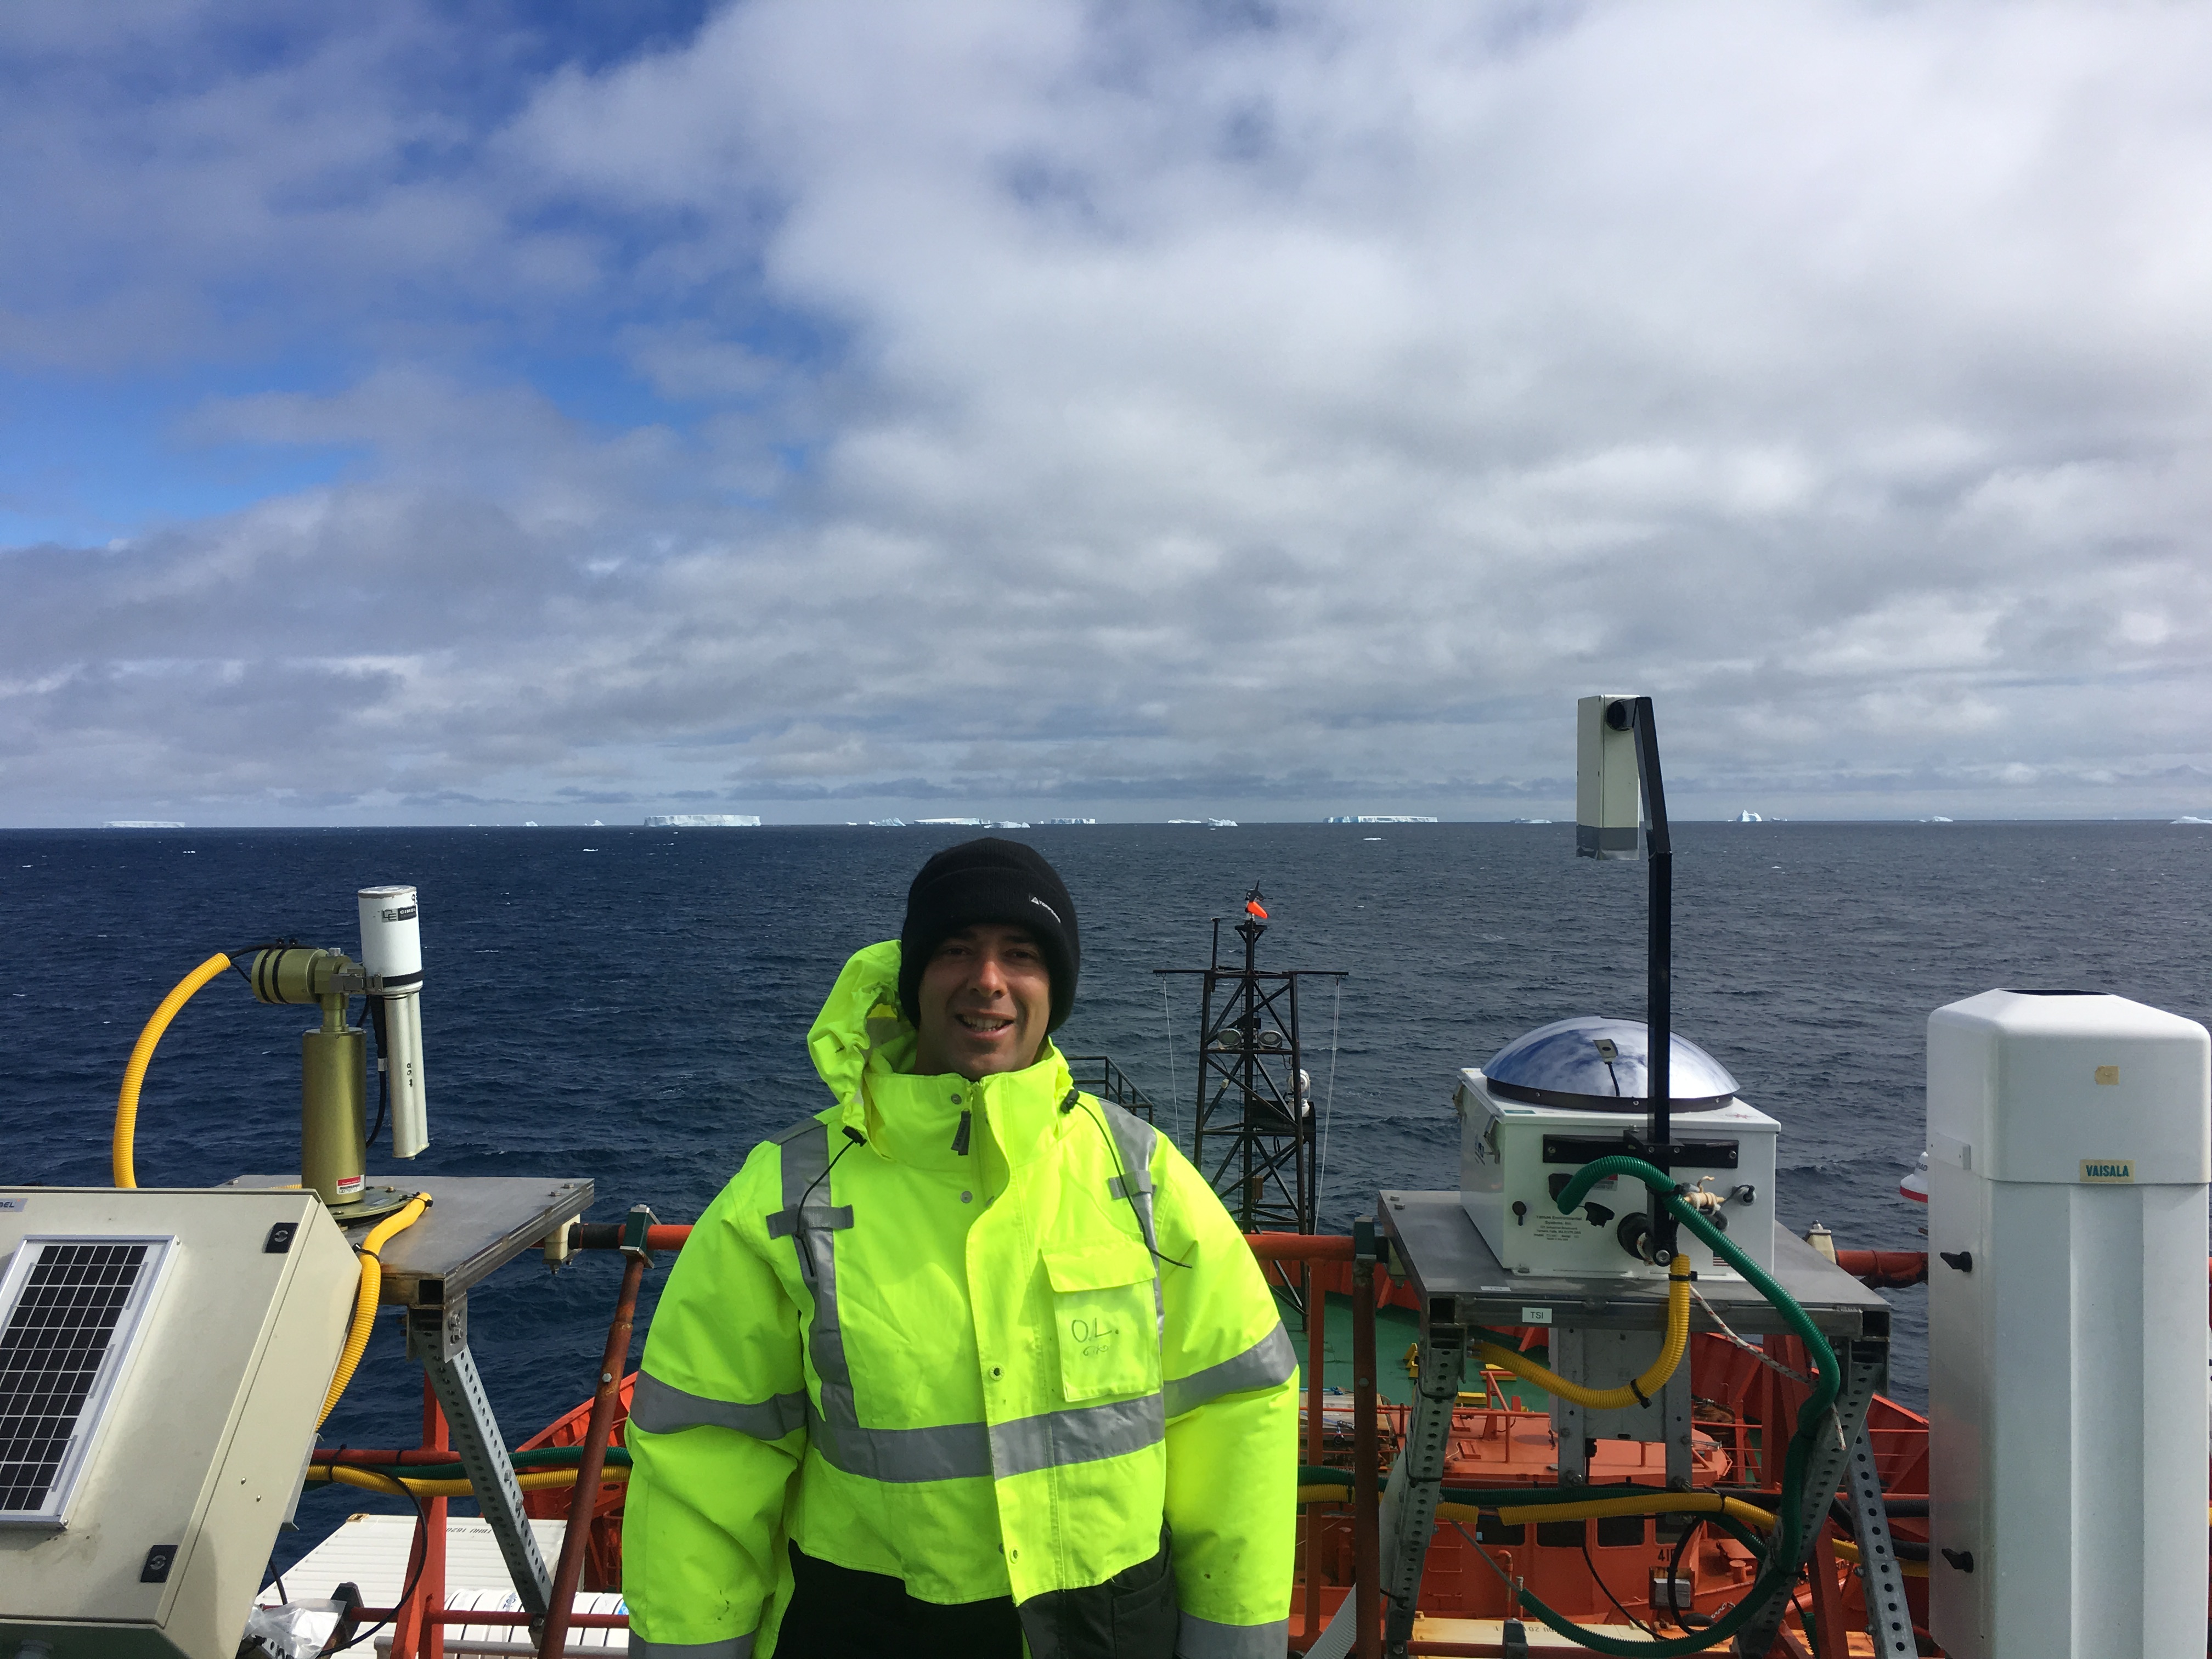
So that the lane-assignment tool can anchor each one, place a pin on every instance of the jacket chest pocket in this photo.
(1104, 1319)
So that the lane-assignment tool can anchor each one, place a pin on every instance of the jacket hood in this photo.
(861, 1018)
(861, 1035)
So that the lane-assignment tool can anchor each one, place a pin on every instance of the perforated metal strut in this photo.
(1428, 1436)
(1863, 1362)
(441, 1340)
(1889, 1620)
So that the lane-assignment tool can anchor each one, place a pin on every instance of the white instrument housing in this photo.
(194, 1451)
(2070, 1141)
(392, 951)
(1505, 1183)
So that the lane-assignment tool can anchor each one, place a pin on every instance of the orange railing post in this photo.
(582, 1503)
(416, 1633)
(1308, 1249)
(1827, 1613)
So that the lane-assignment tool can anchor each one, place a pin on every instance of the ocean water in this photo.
(631, 1005)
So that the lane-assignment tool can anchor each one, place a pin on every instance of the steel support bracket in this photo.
(437, 1330)
(439, 1335)
(1864, 1361)
(1428, 1438)
(1889, 1620)
(1575, 1355)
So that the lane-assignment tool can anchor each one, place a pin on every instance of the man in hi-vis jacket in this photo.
(970, 1360)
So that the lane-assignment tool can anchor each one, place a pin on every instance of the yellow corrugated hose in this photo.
(1640, 1391)
(364, 1307)
(1849, 1552)
(126, 1173)
(533, 1480)
(142, 1055)
(1657, 1502)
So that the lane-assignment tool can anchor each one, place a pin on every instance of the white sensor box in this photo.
(1608, 783)
(224, 1313)
(1512, 1151)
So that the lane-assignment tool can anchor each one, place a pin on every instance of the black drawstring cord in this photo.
(798, 1210)
(1128, 1186)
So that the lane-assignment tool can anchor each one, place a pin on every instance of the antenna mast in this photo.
(1252, 1137)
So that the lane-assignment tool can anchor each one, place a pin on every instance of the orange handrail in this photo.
(1300, 1247)
(1267, 1247)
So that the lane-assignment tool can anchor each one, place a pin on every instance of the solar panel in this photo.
(71, 1309)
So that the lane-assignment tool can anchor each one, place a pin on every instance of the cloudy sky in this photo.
(451, 412)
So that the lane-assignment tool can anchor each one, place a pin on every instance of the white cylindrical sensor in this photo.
(2069, 1143)
(403, 1031)
(392, 937)
(392, 951)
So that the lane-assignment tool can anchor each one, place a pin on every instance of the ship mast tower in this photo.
(1253, 1138)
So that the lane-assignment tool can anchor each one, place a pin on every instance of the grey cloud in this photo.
(1113, 406)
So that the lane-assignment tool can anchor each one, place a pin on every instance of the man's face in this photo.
(985, 997)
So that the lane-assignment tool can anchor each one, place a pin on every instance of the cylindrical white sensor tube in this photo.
(392, 937)
(392, 951)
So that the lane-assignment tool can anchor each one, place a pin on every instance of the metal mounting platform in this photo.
(474, 1225)
(1461, 1282)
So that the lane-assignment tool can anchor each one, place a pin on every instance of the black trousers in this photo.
(837, 1613)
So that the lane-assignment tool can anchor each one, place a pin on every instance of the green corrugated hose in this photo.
(1781, 1569)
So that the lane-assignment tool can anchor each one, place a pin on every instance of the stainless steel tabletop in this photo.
(474, 1225)
(1461, 1281)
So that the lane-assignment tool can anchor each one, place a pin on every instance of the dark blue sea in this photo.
(631, 1005)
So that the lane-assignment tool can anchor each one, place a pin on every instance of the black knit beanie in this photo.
(990, 880)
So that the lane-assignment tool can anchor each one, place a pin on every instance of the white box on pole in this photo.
(2069, 1140)
(1608, 783)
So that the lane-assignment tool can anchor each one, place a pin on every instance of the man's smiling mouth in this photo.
(984, 1024)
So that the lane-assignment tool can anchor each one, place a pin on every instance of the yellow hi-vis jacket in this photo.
(986, 1337)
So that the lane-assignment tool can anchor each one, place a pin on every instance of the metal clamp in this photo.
(633, 1226)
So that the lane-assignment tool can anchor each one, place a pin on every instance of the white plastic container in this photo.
(2069, 1140)
(1506, 1182)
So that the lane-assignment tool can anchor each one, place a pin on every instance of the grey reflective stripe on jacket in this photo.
(953, 1451)
(805, 1168)
(660, 1407)
(1269, 1361)
(1201, 1638)
(1080, 1434)
(1134, 1139)
(733, 1647)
